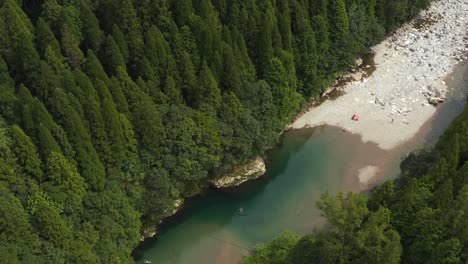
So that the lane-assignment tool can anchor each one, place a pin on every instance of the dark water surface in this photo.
(309, 162)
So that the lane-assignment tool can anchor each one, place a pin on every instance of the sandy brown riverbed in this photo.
(393, 103)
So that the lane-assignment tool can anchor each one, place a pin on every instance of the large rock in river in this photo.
(249, 171)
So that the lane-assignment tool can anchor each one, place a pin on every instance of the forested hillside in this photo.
(422, 217)
(111, 109)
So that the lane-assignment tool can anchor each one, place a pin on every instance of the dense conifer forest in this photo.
(421, 217)
(112, 109)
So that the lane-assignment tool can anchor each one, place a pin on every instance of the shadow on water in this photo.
(230, 199)
(457, 98)
(305, 164)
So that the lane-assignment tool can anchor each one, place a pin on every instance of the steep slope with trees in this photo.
(111, 109)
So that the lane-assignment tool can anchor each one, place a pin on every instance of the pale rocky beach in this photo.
(402, 93)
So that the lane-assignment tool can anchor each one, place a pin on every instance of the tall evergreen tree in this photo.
(111, 56)
(208, 90)
(17, 42)
(127, 18)
(45, 37)
(308, 64)
(91, 31)
(70, 47)
(7, 93)
(88, 161)
(339, 34)
(321, 29)
(26, 153)
(265, 46)
(276, 76)
(284, 25)
(182, 11)
(121, 42)
(144, 114)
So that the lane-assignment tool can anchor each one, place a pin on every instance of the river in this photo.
(221, 226)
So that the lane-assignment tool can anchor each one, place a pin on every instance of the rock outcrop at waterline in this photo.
(250, 171)
(153, 230)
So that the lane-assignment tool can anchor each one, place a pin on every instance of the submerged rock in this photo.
(249, 171)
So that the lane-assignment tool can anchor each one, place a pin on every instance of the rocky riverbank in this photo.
(249, 171)
(400, 95)
(152, 231)
(393, 99)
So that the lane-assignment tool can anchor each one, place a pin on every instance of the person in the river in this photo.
(241, 211)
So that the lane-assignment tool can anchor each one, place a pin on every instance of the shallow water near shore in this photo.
(308, 162)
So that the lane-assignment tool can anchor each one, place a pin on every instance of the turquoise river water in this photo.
(210, 228)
